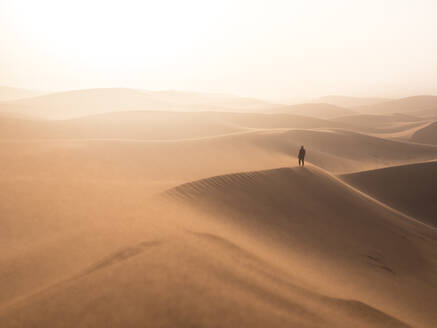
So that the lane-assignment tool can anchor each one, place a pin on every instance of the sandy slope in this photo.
(253, 249)
(409, 188)
(428, 134)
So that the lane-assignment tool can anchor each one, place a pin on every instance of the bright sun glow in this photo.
(120, 33)
(252, 47)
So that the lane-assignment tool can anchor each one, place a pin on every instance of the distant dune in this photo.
(11, 94)
(129, 125)
(167, 125)
(146, 125)
(422, 106)
(319, 110)
(93, 101)
(376, 120)
(12, 110)
(335, 150)
(408, 188)
(351, 102)
(388, 125)
(427, 134)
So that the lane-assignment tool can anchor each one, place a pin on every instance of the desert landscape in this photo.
(218, 164)
(179, 218)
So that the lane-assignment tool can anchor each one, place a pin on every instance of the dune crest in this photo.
(297, 211)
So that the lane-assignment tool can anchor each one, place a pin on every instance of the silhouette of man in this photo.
(301, 156)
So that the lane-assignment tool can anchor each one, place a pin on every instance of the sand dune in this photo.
(93, 101)
(131, 125)
(298, 209)
(422, 106)
(11, 94)
(427, 134)
(319, 110)
(89, 239)
(351, 102)
(377, 121)
(214, 258)
(12, 110)
(164, 125)
(408, 188)
(154, 125)
(176, 161)
(390, 126)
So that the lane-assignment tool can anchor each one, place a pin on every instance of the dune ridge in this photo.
(268, 205)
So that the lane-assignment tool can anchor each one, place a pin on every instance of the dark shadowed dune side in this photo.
(428, 134)
(408, 188)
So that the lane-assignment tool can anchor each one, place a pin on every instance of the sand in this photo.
(202, 219)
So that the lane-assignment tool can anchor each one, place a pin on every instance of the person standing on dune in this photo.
(301, 156)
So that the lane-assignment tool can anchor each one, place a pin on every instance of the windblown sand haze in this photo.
(218, 164)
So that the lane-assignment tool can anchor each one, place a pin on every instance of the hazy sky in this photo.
(263, 48)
